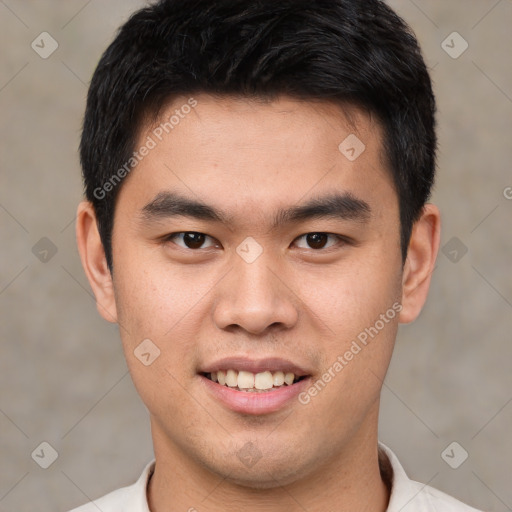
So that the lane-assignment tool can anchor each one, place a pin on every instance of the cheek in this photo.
(154, 298)
(348, 298)
(152, 305)
(158, 342)
(357, 311)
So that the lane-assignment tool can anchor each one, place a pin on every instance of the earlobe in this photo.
(92, 255)
(419, 265)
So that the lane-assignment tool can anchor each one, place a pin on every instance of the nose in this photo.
(255, 297)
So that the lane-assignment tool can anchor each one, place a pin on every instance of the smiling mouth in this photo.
(249, 382)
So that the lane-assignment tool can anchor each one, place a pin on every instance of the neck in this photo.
(351, 480)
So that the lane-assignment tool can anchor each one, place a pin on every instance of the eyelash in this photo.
(341, 239)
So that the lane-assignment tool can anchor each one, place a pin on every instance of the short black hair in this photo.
(357, 52)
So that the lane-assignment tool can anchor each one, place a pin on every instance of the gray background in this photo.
(63, 377)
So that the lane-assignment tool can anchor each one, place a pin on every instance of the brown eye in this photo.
(193, 240)
(190, 239)
(318, 240)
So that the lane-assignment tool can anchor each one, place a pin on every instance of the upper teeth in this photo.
(249, 380)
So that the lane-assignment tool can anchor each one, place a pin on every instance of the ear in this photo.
(92, 255)
(420, 261)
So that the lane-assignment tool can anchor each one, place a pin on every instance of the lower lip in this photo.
(254, 402)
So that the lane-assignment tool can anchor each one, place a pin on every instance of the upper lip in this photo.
(271, 364)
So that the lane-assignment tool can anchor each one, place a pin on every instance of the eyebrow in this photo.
(339, 206)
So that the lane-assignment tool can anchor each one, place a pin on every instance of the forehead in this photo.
(311, 118)
(232, 149)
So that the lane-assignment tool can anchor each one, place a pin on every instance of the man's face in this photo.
(271, 293)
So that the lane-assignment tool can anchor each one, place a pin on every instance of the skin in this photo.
(306, 304)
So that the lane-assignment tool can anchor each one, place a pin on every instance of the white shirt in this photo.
(406, 495)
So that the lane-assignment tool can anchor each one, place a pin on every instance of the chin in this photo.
(266, 472)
